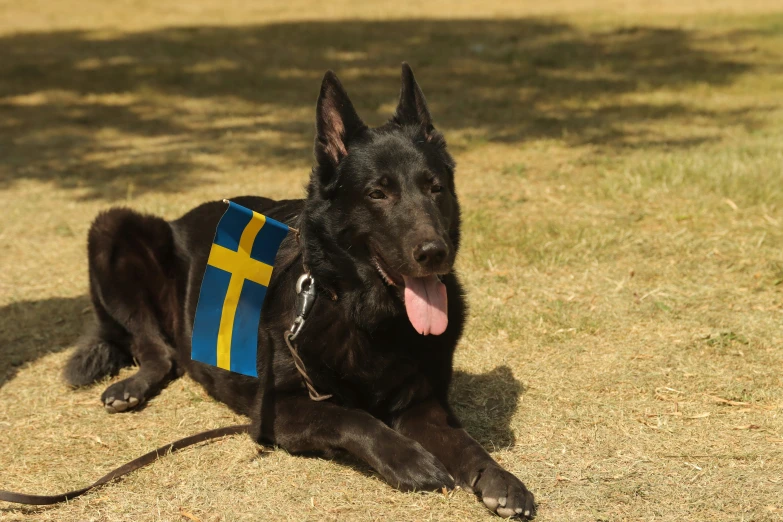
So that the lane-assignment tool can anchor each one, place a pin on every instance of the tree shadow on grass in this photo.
(31, 329)
(151, 110)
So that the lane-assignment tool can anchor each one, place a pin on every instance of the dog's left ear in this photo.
(412, 109)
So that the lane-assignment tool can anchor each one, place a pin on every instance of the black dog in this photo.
(379, 232)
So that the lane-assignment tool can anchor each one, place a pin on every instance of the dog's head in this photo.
(386, 196)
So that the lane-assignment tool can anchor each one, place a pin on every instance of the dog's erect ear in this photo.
(412, 109)
(336, 122)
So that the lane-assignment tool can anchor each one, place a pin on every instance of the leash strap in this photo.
(300, 367)
(152, 456)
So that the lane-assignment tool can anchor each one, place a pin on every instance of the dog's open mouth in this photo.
(425, 298)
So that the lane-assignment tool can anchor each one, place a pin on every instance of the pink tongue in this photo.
(426, 303)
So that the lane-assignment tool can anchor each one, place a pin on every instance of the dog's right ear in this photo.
(336, 123)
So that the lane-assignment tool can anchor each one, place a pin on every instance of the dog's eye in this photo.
(436, 188)
(377, 194)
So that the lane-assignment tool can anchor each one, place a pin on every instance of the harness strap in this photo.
(152, 456)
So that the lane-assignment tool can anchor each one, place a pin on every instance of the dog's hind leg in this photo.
(155, 359)
(105, 348)
(133, 267)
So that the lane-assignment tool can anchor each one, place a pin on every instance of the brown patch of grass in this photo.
(620, 176)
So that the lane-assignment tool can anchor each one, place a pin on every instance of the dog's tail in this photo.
(94, 359)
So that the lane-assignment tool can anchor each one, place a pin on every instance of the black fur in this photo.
(381, 204)
(94, 359)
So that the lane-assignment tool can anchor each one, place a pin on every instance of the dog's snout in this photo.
(431, 253)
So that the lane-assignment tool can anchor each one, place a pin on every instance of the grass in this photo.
(620, 171)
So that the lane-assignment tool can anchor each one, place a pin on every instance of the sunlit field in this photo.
(620, 170)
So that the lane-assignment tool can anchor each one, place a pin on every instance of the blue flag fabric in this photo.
(225, 330)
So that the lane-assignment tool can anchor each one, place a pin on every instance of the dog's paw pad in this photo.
(504, 493)
(115, 406)
(122, 396)
(491, 503)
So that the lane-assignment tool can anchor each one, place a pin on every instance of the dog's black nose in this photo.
(430, 254)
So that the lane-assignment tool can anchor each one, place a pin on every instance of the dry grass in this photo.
(621, 174)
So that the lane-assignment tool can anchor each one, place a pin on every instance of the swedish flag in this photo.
(225, 331)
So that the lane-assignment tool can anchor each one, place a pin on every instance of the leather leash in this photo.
(152, 456)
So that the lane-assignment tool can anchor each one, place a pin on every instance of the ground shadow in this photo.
(31, 329)
(147, 110)
(485, 404)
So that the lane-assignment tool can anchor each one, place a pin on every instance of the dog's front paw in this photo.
(413, 468)
(503, 493)
(124, 395)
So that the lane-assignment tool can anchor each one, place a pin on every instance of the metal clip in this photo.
(305, 297)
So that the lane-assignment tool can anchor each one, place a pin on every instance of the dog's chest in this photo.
(383, 371)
